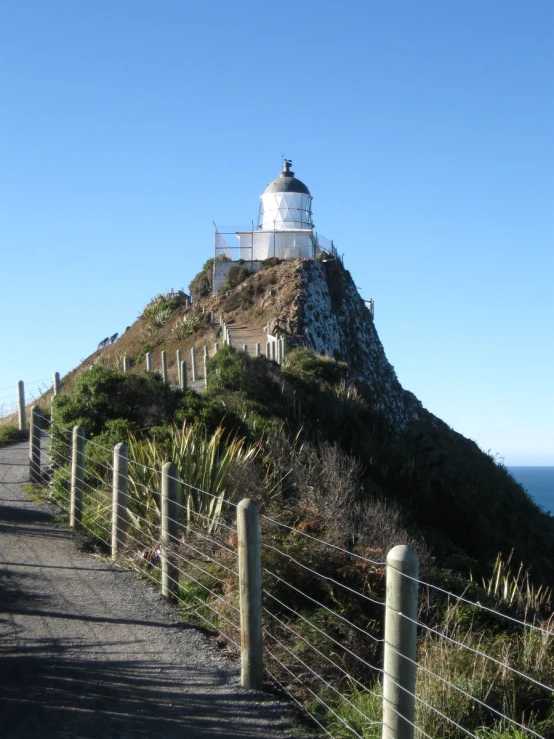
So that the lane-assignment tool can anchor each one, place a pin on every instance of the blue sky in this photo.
(424, 131)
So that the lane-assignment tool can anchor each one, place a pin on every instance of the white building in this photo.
(285, 226)
(284, 230)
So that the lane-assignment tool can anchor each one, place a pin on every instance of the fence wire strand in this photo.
(322, 541)
(341, 618)
(475, 651)
(317, 697)
(323, 633)
(320, 653)
(548, 632)
(323, 577)
(468, 695)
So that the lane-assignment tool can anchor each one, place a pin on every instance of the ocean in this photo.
(539, 483)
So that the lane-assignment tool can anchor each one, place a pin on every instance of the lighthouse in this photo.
(284, 229)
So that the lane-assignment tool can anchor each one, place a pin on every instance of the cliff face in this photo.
(328, 316)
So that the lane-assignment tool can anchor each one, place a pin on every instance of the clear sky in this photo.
(423, 128)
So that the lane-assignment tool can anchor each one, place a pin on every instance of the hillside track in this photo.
(249, 335)
(87, 650)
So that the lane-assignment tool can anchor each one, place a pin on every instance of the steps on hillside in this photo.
(249, 336)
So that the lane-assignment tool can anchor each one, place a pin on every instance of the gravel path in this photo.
(88, 651)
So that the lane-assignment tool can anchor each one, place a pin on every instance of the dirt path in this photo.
(88, 651)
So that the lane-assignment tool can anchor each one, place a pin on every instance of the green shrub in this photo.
(11, 434)
(208, 410)
(100, 395)
(235, 276)
(227, 369)
(253, 378)
(309, 366)
(142, 352)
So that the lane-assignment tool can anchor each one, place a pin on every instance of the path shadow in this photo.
(58, 692)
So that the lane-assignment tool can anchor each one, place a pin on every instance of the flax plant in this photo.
(158, 312)
(204, 463)
(187, 325)
(516, 589)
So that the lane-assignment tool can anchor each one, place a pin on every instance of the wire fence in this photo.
(323, 634)
(13, 398)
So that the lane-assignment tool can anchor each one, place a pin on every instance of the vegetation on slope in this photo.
(315, 454)
(318, 456)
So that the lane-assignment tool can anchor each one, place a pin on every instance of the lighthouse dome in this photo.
(287, 182)
(286, 204)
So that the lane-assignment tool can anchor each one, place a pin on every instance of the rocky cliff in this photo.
(315, 303)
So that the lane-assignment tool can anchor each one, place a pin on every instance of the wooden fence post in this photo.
(57, 385)
(183, 374)
(148, 358)
(126, 364)
(399, 664)
(164, 366)
(258, 349)
(21, 405)
(119, 498)
(34, 446)
(170, 528)
(193, 364)
(77, 477)
(250, 590)
(179, 359)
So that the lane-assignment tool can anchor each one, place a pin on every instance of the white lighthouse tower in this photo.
(285, 226)
(284, 230)
(286, 203)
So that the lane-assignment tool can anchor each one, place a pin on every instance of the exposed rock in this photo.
(328, 316)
